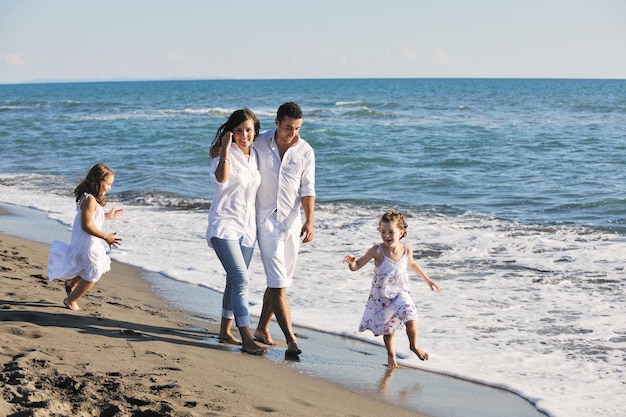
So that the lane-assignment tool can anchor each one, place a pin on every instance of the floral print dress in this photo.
(389, 305)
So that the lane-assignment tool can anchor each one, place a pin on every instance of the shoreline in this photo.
(337, 364)
(128, 351)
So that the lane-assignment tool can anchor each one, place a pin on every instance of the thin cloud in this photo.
(439, 58)
(173, 57)
(14, 60)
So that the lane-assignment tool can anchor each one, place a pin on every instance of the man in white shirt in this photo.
(287, 166)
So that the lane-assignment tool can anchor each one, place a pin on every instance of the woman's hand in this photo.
(226, 141)
(222, 173)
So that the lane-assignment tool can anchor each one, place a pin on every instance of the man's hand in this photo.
(306, 233)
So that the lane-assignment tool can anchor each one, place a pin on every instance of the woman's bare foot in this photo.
(264, 337)
(253, 349)
(229, 338)
(72, 306)
(421, 354)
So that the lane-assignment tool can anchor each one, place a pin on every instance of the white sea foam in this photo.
(539, 311)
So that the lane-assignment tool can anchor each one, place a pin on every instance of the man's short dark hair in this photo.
(289, 109)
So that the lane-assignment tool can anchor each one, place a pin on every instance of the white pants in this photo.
(279, 252)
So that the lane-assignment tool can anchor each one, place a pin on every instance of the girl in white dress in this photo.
(85, 257)
(389, 306)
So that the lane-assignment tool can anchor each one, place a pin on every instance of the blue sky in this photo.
(141, 39)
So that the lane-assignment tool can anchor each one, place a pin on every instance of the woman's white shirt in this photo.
(232, 212)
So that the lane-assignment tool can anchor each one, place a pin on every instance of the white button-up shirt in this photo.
(232, 214)
(283, 183)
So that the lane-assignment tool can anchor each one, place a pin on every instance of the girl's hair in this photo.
(235, 119)
(396, 217)
(93, 182)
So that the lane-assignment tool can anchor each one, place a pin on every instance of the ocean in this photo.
(514, 189)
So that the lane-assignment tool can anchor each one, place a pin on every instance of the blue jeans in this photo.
(235, 259)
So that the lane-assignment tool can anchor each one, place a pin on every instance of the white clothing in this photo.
(278, 254)
(85, 256)
(232, 213)
(285, 182)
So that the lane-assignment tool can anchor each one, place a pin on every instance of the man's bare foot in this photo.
(264, 337)
(229, 338)
(253, 349)
(72, 306)
(421, 354)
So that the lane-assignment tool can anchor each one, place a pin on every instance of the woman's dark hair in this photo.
(93, 183)
(235, 119)
(289, 109)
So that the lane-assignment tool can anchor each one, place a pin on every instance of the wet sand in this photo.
(130, 352)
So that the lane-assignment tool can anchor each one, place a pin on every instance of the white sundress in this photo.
(85, 256)
(389, 305)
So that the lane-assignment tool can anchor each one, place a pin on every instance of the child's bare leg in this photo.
(411, 332)
(226, 334)
(391, 351)
(70, 284)
(79, 290)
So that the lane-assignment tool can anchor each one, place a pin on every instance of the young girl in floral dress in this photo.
(389, 306)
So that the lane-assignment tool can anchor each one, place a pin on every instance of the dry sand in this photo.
(128, 353)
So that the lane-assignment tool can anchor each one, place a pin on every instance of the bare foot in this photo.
(264, 337)
(421, 354)
(229, 338)
(72, 306)
(391, 362)
(253, 349)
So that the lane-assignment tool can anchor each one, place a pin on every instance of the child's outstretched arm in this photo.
(419, 271)
(87, 209)
(355, 264)
(113, 214)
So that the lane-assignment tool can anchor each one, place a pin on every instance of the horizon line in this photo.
(112, 80)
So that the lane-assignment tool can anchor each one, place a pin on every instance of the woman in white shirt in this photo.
(232, 222)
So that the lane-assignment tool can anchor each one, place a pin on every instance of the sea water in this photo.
(514, 191)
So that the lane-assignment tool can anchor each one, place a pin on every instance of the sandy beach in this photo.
(129, 353)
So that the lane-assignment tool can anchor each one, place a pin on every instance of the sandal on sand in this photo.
(293, 351)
